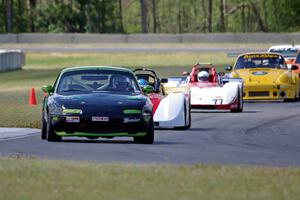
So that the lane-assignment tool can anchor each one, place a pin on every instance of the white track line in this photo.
(17, 133)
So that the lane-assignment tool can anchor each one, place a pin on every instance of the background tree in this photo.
(209, 15)
(144, 12)
(142, 16)
(9, 16)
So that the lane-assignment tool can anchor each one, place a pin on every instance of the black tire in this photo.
(240, 105)
(149, 137)
(43, 128)
(51, 135)
(292, 100)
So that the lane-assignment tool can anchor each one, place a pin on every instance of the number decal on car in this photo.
(217, 101)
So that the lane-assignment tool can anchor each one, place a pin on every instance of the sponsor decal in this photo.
(131, 120)
(260, 56)
(72, 119)
(259, 73)
(100, 119)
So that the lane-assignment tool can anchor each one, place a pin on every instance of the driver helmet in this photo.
(119, 81)
(203, 76)
(142, 82)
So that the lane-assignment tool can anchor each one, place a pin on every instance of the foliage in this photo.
(162, 16)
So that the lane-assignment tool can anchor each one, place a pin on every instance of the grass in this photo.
(43, 68)
(28, 178)
(152, 45)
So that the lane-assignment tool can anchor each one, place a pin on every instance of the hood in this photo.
(101, 103)
(258, 75)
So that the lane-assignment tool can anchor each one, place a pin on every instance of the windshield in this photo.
(180, 80)
(250, 61)
(92, 81)
(286, 52)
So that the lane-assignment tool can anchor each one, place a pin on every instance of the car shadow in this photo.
(263, 101)
(223, 111)
(202, 129)
(99, 141)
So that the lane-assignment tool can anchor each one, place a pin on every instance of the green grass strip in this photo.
(29, 178)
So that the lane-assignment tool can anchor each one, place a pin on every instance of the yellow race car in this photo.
(266, 77)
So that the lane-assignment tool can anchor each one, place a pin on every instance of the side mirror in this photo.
(164, 80)
(148, 89)
(48, 89)
(294, 67)
(185, 73)
(229, 68)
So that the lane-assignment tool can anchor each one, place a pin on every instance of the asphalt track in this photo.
(264, 134)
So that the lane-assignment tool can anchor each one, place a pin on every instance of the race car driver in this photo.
(203, 77)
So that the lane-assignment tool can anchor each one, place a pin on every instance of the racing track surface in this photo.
(264, 134)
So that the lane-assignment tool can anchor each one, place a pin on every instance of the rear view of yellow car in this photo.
(266, 77)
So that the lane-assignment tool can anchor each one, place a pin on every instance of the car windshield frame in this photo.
(178, 79)
(253, 61)
(72, 82)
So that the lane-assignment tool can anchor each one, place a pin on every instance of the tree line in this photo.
(149, 16)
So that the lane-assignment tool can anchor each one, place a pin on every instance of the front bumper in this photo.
(268, 92)
(116, 126)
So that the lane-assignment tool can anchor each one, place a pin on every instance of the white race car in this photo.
(288, 51)
(169, 110)
(215, 92)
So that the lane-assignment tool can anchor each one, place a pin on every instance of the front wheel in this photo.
(240, 104)
(149, 137)
(51, 135)
(43, 128)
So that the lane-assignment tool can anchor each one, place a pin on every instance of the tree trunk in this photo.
(258, 17)
(32, 6)
(222, 19)
(209, 16)
(154, 14)
(243, 18)
(248, 19)
(204, 10)
(89, 18)
(144, 21)
(103, 17)
(265, 8)
(121, 17)
(179, 17)
(9, 16)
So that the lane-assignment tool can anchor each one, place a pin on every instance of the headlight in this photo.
(284, 78)
(56, 110)
(147, 109)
